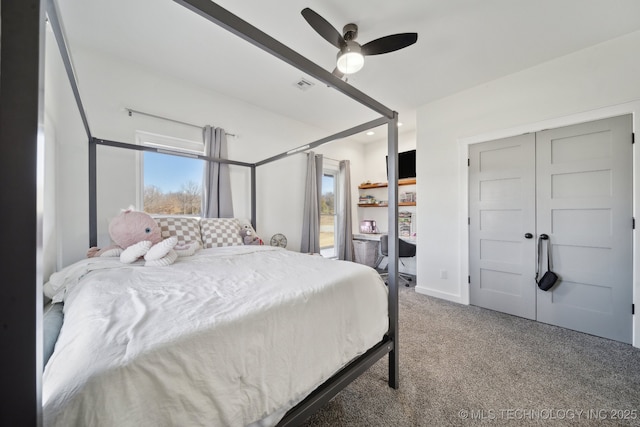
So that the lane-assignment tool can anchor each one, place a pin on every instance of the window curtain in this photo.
(216, 182)
(344, 232)
(310, 242)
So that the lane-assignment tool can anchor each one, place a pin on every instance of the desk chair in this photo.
(406, 250)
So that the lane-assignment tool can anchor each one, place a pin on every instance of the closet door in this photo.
(584, 204)
(502, 225)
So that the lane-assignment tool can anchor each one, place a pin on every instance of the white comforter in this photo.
(225, 337)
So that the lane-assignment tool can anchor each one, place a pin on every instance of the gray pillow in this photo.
(51, 325)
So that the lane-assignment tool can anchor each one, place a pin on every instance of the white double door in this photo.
(573, 184)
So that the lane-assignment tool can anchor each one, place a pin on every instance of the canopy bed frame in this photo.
(21, 120)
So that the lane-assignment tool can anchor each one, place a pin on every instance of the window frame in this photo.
(186, 146)
(180, 145)
(331, 168)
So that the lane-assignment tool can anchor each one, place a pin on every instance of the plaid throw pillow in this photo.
(187, 230)
(218, 232)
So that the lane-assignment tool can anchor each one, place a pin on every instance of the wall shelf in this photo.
(405, 181)
(383, 205)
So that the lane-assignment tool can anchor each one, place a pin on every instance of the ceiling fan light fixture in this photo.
(350, 58)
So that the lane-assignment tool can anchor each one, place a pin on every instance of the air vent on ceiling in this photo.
(303, 84)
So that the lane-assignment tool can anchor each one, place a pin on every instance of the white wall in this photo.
(66, 207)
(49, 219)
(49, 229)
(376, 171)
(282, 185)
(588, 84)
(108, 85)
(375, 155)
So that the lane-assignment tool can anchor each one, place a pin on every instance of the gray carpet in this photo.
(463, 365)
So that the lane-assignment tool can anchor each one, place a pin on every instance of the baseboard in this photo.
(439, 294)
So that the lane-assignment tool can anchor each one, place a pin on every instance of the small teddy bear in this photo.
(248, 238)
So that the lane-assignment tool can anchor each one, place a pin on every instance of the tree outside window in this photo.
(328, 214)
(170, 186)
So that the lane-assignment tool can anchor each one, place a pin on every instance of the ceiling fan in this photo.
(351, 55)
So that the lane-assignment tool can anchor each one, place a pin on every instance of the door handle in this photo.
(528, 236)
(544, 237)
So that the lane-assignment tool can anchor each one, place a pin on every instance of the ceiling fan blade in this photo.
(389, 43)
(323, 28)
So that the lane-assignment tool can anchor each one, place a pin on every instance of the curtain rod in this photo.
(325, 157)
(329, 158)
(131, 111)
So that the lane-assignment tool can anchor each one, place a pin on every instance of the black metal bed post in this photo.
(253, 196)
(93, 193)
(344, 134)
(178, 153)
(392, 142)
(22, 26)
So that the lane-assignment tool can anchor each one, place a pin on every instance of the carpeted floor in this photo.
(463, 365)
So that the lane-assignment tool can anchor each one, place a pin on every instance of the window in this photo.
(328, 218)
(171, 185)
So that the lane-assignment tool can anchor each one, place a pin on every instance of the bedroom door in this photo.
(502, 206)
(582, 199)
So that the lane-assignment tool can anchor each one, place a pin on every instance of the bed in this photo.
(101, 342)
(229, 336)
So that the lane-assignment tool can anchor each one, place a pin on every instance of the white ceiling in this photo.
(461, 44)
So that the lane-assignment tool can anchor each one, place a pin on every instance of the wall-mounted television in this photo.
(406, 164)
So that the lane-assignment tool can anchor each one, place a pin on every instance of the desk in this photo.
(376, 237)
(367, 251)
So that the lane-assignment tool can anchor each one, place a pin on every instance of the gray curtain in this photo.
(344, 237)
(313, 190)
(216, 181)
